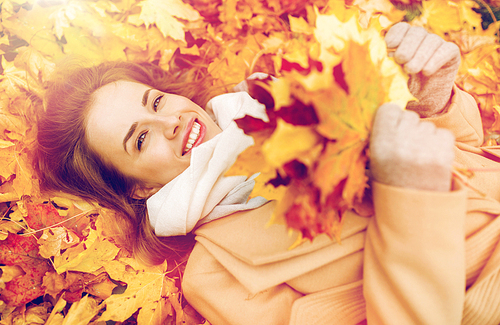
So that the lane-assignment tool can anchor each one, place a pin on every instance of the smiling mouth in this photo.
(193, 136)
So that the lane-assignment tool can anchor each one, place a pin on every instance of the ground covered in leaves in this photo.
(61, 260)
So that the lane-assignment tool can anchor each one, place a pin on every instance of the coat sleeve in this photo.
(414, 266)
(221, 299)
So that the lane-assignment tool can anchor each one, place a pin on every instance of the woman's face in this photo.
(145, 133)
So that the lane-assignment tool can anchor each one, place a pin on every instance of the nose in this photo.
(170, 125)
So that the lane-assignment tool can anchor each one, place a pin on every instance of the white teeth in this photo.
(195, 132)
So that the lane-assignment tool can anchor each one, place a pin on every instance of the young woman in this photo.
(134, 136)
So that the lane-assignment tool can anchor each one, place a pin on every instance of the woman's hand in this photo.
(431, 62)
(408, 152)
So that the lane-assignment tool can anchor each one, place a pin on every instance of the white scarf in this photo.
(201, 193)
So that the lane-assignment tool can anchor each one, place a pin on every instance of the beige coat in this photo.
(426, 258)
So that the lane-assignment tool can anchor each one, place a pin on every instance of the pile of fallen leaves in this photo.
(61, 260)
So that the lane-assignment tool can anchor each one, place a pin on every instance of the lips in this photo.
(193, 138)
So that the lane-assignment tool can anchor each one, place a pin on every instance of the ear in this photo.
(144, 192)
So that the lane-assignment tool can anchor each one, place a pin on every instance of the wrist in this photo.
(432, 178)
(432, 106)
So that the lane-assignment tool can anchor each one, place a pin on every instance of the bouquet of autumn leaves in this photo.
(313, 153)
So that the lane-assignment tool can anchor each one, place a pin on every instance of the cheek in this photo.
(214, 130)
(167, 173)
(166, 164)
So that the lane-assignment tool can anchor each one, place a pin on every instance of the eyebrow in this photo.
(145, 97)
(133, 127)
(129, 134)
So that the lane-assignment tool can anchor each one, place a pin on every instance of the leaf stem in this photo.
(59, 223)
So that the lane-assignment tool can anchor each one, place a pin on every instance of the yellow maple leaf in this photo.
(7, 163)
(253, 160)
(32, 314)
(132, 36)
(235, 60)
(54, 283)
(332, 33)
(357, 179)
(444, 16)
(158, 43)
(300, 25)
(89, 256)
(25, 182)
(83, 311)
(5, 144)
(12, 123)
(164, 14)
(467, 15)
(440, 17)
(105, 8)
(80, 43)
(337, 163)
(55, 317)
(331, 125)
(382, 9)
(296, 51)
(470, 41)
(10, 272)
(11, 79)
(147, 289)
(281, 91)
(8, 226)
(33, 27)
(478, 73)
(278, 149)
(34, 63)
(268, 191)
(55, 239)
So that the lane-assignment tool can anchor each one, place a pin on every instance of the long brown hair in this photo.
(65, 162)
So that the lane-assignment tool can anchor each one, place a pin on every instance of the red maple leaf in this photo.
(23, 252)
(339, 76)
(251, 124)
(310, 217)
(298, 113)
(289, 66)
(42, 215)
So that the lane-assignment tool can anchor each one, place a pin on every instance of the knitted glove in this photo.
(431, 62)
(408, 152)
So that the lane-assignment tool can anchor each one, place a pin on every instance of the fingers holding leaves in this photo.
(395, 35)
(424, 55)
(409, 45)
(420, 51)
(446, 54)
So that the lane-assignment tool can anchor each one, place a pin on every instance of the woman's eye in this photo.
(140, 140)
(156, 102)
